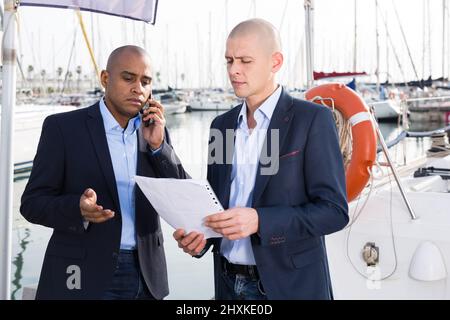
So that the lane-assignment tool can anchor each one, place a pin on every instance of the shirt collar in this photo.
(266, 108)
(111, 123)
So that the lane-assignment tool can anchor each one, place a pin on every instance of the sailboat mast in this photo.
(88, 45)
(405, 41)
(176, 71)
(424, 17)
(94, 46)
(448, 40)
(225, 83)
(6, 144)
(429, 37)
(309, 32)
(200, 58)
(167, 56)
(387, 55)
(377, 37)
(443, 36)
(210, 52)
(144, 35)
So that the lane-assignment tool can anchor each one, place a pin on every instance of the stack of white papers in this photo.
(182, 203)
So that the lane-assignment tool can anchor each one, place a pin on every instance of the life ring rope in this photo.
(360, 123)
(354, 120)
(321, 99)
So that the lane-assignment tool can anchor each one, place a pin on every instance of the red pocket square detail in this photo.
(290, 154)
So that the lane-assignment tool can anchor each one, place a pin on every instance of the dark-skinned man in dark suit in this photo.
(107, 241)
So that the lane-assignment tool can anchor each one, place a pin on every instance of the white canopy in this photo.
(144, 10)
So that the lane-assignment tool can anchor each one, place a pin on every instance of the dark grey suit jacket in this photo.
(73, 155)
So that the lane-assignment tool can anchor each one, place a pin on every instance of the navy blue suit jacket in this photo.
(299, 204)
(72, 156)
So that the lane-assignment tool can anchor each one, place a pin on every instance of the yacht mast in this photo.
(406, 42)
(144, 35)
(424, 17)
(429, 37)
(309, 32)
(210, 84)
(443, 36)
(377, 36)
(226, 83)
(387, 55)
(6, 144)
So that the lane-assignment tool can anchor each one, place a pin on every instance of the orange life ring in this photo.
(364, 137)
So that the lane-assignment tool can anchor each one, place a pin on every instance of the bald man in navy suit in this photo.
(282, 182)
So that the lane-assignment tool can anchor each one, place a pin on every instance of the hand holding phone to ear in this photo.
(146, 107)
(153, 115)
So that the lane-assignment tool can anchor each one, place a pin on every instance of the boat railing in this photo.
(414, 134)
(408, 100)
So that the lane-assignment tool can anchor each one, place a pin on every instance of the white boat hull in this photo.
(386, 109)
(374, 225)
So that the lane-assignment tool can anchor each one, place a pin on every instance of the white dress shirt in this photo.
(248, 145)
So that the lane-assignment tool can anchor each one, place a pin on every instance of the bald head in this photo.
(264, 31)
(127, 81)
(125, 52)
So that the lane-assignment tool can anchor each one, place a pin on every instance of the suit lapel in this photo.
(98, 136)
(281, 120)
(143, 168)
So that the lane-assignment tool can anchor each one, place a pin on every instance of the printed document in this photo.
(182, 203)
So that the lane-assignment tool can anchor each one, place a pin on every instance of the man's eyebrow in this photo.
(238, 58)
(128, 73)
(134, 75)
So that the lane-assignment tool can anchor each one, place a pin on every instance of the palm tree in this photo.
(30, 71)
(59, 73)
(70, 75)
(43, 73)
(78, 71)
(182, 76)
(158, 77)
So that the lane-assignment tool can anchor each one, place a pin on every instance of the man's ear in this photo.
(104, 78)
(277, 61)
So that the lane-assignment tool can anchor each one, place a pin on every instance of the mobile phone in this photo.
(146, 106)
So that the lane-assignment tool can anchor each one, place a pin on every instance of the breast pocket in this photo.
(290, 156)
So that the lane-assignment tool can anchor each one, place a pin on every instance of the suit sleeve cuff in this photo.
(155, 151)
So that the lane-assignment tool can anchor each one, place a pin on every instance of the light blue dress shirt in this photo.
(123, 148)
(247, 149)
